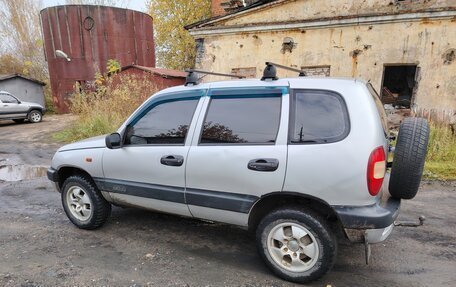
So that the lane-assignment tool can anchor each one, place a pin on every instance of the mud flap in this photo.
(367, 250)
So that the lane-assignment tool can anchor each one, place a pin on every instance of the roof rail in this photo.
(270, 72)
(192, 77)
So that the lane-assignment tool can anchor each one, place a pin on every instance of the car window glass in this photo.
(242, 120)
(166, 123)
(380, 108)
(318, 117)
(7, 99)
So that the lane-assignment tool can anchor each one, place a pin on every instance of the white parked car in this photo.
(11, 108)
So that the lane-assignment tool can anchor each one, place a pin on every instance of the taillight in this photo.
(376, 169)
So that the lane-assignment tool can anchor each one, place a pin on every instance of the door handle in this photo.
(263, 164)
(172, 160)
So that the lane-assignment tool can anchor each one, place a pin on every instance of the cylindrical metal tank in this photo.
(91, 35)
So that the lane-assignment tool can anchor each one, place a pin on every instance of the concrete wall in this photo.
(351, 50)
(25, 90)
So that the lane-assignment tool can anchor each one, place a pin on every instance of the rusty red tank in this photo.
(91, 35)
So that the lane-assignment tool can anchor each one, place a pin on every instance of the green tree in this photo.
(175, 48)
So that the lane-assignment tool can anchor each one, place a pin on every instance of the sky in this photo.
(139, 5)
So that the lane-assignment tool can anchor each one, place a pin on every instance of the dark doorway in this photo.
(399, 84)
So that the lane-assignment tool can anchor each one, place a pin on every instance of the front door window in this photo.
(164, 124)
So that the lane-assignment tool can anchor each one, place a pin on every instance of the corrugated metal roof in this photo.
(159, 71)
(253, 4)
(10, 76)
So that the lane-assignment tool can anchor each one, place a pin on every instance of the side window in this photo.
(380, 108)
(242, 120)
(7, 99)
(318, 117)
(165, 123)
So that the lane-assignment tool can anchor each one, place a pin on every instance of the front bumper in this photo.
(52, 175)
(372, 223)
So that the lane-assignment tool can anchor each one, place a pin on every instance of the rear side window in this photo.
(318, 116)
(242, 120)
(380, 108)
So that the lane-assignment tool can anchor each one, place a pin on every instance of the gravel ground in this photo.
(40, 247)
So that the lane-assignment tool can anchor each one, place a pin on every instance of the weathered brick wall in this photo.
(217, 9)
(317, 71)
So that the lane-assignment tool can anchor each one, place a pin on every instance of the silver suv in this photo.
(297, 161)
(11, 108)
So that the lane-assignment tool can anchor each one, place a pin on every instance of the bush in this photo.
(104, 109)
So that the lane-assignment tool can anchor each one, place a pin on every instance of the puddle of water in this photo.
(20, 172)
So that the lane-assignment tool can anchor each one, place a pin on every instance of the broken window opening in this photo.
(399, 85)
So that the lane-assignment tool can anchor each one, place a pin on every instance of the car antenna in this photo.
(193, 80)
(301, 72)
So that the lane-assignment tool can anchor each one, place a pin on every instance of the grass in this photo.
(441, 156)
(104, 109)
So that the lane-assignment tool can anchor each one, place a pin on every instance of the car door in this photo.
(148, 171)
(238, 153)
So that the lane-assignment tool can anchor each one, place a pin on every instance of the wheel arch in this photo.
(40, 109)
(275, 200)
(66, 171)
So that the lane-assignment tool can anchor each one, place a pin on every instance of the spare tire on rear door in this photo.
(409, 157)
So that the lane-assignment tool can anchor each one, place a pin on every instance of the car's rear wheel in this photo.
(83, 203)
(35, 116)
(297, 245)
(409, 158)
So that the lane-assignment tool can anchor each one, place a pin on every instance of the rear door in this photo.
(238, 153)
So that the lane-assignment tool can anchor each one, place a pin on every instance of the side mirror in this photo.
(113, 141)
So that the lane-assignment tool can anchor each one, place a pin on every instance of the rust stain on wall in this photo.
(449, 56)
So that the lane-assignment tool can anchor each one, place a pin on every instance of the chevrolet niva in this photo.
(296, 160)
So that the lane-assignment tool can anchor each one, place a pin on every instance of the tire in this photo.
(282, 232)
(18, 120)
(83, 203)
(409, 158)
(35, 116)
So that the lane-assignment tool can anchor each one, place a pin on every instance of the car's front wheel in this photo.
(83, 203)
(35, 116)
(296, 244)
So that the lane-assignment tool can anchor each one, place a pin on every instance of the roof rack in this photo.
(192, 76)
(270, 72)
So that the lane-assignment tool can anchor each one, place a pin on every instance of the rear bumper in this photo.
(372, 223)
(379, 215)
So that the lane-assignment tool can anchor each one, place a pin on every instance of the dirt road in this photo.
(40, 247)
